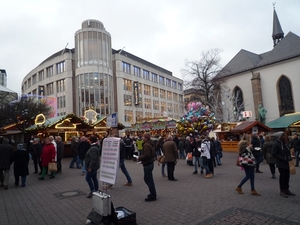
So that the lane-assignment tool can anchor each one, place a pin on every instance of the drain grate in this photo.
(68, 194)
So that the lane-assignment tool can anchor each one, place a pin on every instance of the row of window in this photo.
(156, 92)
(128, 115)
(126, 67)
(60, 68)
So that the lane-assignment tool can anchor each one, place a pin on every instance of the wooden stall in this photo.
(231, 133)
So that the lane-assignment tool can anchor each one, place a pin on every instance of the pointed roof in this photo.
(277, 31)
(287, 48)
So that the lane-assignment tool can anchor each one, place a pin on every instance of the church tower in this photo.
(278, 34)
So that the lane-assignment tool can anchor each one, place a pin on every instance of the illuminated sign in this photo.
(136, 92)
(90, 115)
(66, 124)
(39, 119)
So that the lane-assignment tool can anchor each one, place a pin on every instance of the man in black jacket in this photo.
(6, 158)
(281, 152)
(295, 143)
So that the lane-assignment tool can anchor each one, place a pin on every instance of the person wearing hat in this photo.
(281, 152)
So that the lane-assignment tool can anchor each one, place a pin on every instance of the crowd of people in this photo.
(201, 152)
(276, 151)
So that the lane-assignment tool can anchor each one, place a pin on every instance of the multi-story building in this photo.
(95, 76)
(3, 78)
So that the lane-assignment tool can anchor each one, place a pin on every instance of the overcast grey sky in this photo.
(163, 32)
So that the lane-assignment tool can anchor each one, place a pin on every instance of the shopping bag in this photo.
(292, 167)
(189, 157)
(238, 161)
(161, 159)
(52, 166)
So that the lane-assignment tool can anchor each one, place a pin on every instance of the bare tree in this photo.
(23, 111)
(227, 105)
(199, 75)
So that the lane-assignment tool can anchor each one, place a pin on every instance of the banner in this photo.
(110, 160)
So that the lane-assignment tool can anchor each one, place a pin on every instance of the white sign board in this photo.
(110, 160)
(247, 114)
(112, 120)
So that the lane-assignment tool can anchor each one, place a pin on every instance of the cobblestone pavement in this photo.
(191, 200)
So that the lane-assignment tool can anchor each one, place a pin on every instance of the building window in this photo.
(127, 100)
(286, 97)
(238, 103)
(168, 82)
(176, 108)
(60, 86)
(157, 115)
(175, 97)
(147, 103)
(147, 90)
(41, 75)
(146, 75)
(148, 115)
(180, 98)
(162, 94)
(155, 92)
(34, 80)
(154, 77)
(49, 89)
(49, 71)
(169, 95)
(174, 84)
(126, 67)
(127, 85)
(127, 115)
(163, 106)
(137, 71)
(155, 105)
(161, 80)
(61, 102)
(60, 67)
(29, 82)
(179, 86)
(138, 115)
(170, 107)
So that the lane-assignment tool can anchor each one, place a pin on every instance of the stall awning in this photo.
(285, 121)
(246, 126)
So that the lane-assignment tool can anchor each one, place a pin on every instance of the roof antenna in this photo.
(121, 50)
(64, 49)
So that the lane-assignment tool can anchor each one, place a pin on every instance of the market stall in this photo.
(156, 126)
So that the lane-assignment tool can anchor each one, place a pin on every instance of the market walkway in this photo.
(191, 200)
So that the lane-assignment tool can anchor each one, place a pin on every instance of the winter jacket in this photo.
(83, 147)
(148, 153)
(281, 152)
(267, 149)
(48, 154)
(205, 148)
(92, 157)
(6, 156)
(21, 158)
(170, 151)
(197, 149)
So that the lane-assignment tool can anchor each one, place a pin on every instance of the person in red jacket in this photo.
(48, 155)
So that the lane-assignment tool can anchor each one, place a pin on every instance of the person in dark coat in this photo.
(188, 148)
(92, 163)
(6, 159)
(197, 155)
(171, 156)
(281, 152)
(267, 150)
(21, 159)
(147, 159)
(36, 151)
(60, 153)
(83, 147)
(74, 152)
(256, 151)
(295, 144)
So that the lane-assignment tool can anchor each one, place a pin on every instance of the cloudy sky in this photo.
(163, 32)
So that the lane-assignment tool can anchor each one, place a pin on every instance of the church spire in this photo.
(278, 34)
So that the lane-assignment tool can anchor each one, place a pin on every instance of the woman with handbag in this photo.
(48, 156)
(248, 163)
